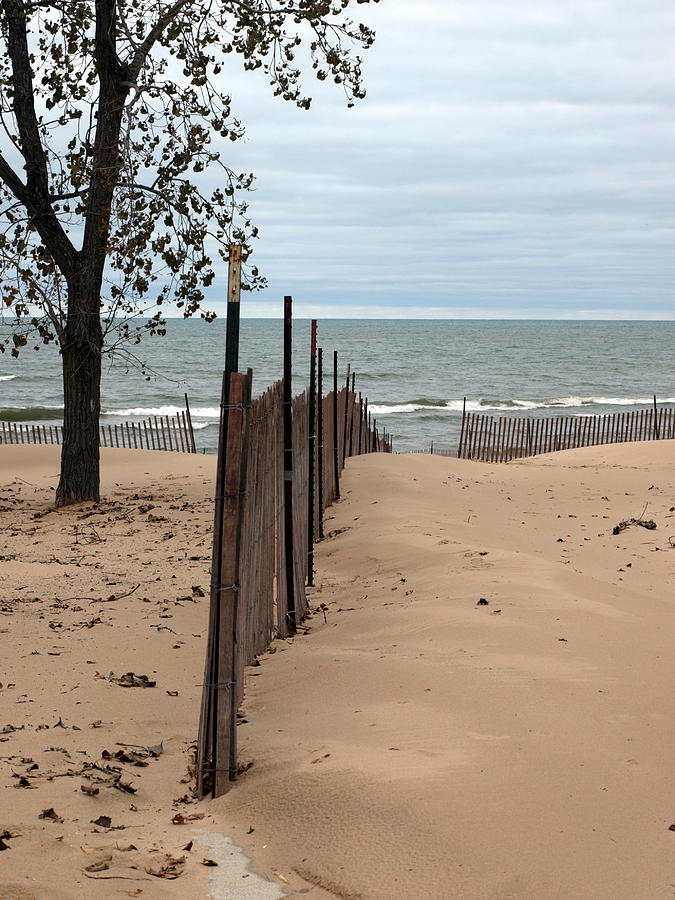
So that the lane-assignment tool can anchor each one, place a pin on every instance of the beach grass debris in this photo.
(142, 751)
(101, 865)
(130, 679)
(649, 524)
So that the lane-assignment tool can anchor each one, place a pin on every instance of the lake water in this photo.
(415, 373)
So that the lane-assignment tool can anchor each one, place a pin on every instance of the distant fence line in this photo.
(503, 438)
(174, 433)
(279, 465)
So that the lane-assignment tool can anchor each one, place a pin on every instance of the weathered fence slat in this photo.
(482, 437)
(292, 453)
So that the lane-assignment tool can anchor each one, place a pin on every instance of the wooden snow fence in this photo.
(174, 433)
(503, 438)
(258, 577)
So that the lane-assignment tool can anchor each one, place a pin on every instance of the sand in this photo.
(415, 744)
(419, 745)
(85, 594)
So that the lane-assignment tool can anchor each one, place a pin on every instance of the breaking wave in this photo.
(204, 412)
(487, 404)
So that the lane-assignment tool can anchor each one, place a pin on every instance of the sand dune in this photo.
(415, 744)
(420, 745)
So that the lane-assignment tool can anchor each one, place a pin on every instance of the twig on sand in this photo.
(115, 596)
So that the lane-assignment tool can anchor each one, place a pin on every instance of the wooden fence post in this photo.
(320, 426)
(288, 464)
(191, 431)
(233, 308)
(217, 733)
(351, 418)
(311, 450)
(461, 430)
(346, 415)
(336, 448)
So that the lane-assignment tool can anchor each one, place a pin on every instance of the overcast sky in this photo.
(510, 160)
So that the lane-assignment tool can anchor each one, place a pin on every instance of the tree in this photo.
(111, 110)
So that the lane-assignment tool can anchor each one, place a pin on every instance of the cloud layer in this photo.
(509, 160)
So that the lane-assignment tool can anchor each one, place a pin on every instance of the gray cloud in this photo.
(508, 160)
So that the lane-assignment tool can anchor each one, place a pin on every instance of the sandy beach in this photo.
(482, 707)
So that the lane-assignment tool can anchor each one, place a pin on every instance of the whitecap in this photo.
(206, 412)
(484, 405)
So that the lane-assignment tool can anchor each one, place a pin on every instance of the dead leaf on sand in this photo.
(23, 782)
(124, 786)
(180, 819)
(127, 756)
(89, 789)
(50, 814)
(172, 868)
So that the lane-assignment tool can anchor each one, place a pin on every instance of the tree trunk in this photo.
(81, 356)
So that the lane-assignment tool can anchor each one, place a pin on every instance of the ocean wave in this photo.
(383, 409)
(7, 377)
(55, 414)
(487, 404)
(204, 412)
(613, 401)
